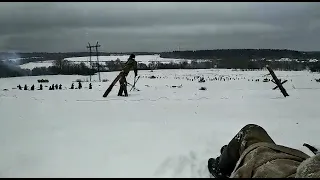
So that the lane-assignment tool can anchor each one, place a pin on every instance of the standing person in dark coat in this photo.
(25, 87)
(79, 85)
(130, 64)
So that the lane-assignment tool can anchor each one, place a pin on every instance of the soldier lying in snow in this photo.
(253, 154)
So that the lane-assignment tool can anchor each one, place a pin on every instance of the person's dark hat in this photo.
(132, 56)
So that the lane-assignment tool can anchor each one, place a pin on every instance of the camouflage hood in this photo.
(266, 160)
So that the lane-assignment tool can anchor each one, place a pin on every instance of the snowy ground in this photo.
(86, 60)
(140, 58)
(32, 65)
(159, 131)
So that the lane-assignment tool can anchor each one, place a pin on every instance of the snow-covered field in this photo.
(86, 60)
(146, 59)
(140, 58)
(159, 131)
(32, 65)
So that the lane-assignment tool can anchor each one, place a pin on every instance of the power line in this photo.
(97, 55)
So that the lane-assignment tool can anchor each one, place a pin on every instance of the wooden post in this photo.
(89, 47)
(96, 46)
(278, 82)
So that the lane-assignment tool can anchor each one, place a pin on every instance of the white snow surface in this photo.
(102, 59)
(159, 131)
(140, 58)
(32, 65)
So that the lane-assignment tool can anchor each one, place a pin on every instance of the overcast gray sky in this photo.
(133, 26)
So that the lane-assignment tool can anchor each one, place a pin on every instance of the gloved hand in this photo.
(213, 167)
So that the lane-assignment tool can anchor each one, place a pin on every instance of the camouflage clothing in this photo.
(130, 64)
(253, 154)
(123, 85)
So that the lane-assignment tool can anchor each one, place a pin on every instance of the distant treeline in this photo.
(241, 54)
(224, 58)
(59, 67)
(234, 54)
(244, 64)
(44, 56)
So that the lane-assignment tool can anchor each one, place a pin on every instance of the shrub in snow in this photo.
(43, 80)
(180, 86)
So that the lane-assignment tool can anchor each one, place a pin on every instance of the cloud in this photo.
(133, 26)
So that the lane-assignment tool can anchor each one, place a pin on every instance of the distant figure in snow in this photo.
(72, 86)
(130, 64)
(90, 86)
(57, 86)
(41, 87)
(79, 85)
(25, 87)
(202, 80)
(19, 86)
(60, 86)
(32, 88)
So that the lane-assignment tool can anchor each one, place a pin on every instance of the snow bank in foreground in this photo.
(159, 131)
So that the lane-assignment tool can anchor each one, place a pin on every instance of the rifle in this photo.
(311, 148)
(134, 83)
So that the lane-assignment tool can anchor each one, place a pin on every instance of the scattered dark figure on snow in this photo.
(60, 86)
(130, 64)
(57, 86)
(72, 86)
(90, 86)
(202, 80)
(41, 87)
(203, 88)
(253, 154)
(25, 87)
(32, 88)
(265, 80)
(19, 86)
(79, 85)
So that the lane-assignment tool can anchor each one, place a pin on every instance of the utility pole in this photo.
(97, 54)
(90, 47)
(98, 45)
